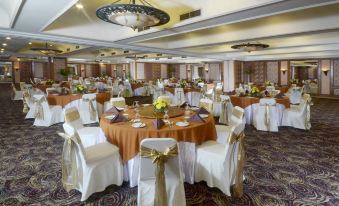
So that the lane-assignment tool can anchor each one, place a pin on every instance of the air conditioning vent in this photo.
(190, 15)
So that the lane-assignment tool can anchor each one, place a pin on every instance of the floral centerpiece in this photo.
(268, 83)
(160, 105)
(103, 76)
(173, 80)
(81, 88)
(255, 91)
(49, 82)
(294, 81)
(182, 83)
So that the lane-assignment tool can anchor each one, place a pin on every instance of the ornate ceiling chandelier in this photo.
(249, 47)
(46, 50)
(133, 15)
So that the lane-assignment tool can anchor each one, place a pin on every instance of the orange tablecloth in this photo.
(244, 102)
(186, 90)
(128, 138)
(63, 100)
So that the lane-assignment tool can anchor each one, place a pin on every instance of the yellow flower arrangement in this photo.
(81, 88)
(268, 83)
(255, 91)
(160, 105)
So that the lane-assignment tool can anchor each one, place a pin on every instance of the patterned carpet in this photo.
(292, 167)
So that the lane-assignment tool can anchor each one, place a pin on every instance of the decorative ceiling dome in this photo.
(249, 47)
(133, 15)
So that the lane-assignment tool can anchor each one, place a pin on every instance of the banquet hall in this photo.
(169, 102)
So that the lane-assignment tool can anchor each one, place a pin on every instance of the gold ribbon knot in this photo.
(239, 171)
(39, 110)
(159, 158)
(92, 110)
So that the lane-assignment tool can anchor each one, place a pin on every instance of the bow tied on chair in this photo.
(39, 110)
(91, 108)
(159, 158)
(224, 111)
(308, 114)
(68, 164)
(267, 115)
(238, 187)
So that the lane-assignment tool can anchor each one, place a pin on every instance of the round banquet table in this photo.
(249, 104)
(128, 139)
(64, 100)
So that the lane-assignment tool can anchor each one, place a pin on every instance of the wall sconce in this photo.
(284, 71)
(325, 71)
(206, 70)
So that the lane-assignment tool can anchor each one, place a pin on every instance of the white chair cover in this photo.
(299, 117)
(17, 95)
(89, 135)
(217, 163)
(88, 109)
(51, 90)
(207, 104)
(226, 109)
(116, 101)
(265, 116)
(174, 193)
(46, 115)
(193, 98)
(91, 169)
(295, 95)
(179, 96)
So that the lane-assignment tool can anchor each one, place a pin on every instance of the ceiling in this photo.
(294, 29)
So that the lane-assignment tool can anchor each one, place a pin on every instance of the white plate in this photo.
(109, 116)
(120, 108)
(203, 115)
(182, 124)
(195, 108)
(146, 105)
(138, 125)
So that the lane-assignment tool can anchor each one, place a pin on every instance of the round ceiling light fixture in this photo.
(49, 51)
(133, 15)
(250, 47)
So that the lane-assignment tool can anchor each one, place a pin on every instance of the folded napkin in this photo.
(113, 110)
(183, 105)
(118, 118)
(196, 118)
(279, 96)
(202, 111)
(158, 123)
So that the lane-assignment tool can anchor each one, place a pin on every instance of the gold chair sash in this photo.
(206, 105)
(72, 116)
(267, 116)
(120, 103)
(92, 110)
(39, 110)
(239, 171)
(224, 112)
(238, 114)
(308, 114)
(68, 163)
(159, 158)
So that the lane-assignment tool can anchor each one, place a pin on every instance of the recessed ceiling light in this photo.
(4, 44)
(79, 6)
(30, 43)
(18, 59)
(51, 45)
(8, 38)
(1, 51)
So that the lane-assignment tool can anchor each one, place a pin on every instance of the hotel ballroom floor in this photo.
(292, 167)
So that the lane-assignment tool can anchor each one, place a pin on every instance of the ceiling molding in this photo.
(62, 11)
(235, 17)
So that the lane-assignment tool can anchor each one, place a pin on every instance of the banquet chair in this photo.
(236, 117)
(300, 116)
(90, 169)
(295, 95)
(88, 109)
(51, 90)
(207, 104)
(89, 135)
(193, 98)
(168, 99)
(116, 102)
(149, 186)
(226, 109)
(179, 96)
(46, 115)
(17, 95)
(265, 117)
(29, 103)
(218, 164)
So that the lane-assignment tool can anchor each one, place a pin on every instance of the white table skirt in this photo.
(187, 160)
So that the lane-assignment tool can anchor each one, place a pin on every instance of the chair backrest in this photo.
(179, 95)
(72, 118)
(51, 91)
(224, 97)
(118, 102)
(207, 104)
(42, 99)
(237, 116)
(84, 103)
(147, 168)
(269, 101)
(235, 130)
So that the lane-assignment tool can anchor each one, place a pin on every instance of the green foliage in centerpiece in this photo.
(81, 88)
(182, 83)
(49, 82)
(255, 91)
(268, 83)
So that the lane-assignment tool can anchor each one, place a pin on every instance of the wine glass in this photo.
(187, 113)
(166, 117)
